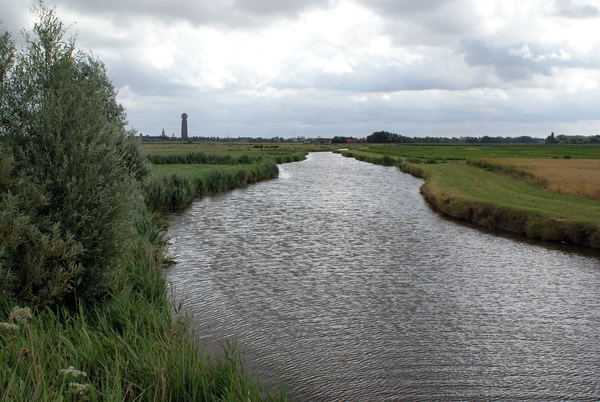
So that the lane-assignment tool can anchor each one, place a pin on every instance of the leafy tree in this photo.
(64, 132)
(551, 139)
(379, 137)
(595, 139)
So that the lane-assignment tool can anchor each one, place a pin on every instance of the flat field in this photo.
(576, 177)
(559, 204)
(224, 148)
(282, 152)
(458, 181)
(471, 151)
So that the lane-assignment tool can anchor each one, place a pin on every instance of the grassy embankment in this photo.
(84, 307)
(182, 172)
(177, 179)
(282, 153)
(533, 193)
(130, 346)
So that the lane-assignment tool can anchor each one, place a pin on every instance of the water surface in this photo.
(339, 277)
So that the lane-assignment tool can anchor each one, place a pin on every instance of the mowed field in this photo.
(576, 177)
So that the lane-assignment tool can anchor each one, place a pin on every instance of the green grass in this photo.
(131, 346)
(282, 152)
(473, 184)
(174, 187)
(492, 199)
(220, 148)
(193, 171)
(468, 151)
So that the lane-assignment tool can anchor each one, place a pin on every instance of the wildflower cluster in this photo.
(78, 389)
(75, 388)
(18, 315)
(72, 371)
(6, 326)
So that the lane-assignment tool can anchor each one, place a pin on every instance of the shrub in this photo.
(65, 130)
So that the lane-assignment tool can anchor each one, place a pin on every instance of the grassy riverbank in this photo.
(174, 187)
(498, 194)
(129, 346)
(85, 311)
(183, 171)
(132, 344)
(283, 153)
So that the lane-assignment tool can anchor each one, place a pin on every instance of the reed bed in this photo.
(202, 158)
(174, 187)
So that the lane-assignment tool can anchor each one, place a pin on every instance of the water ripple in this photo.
(338, 277)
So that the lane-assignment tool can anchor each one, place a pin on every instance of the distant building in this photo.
(184, 128)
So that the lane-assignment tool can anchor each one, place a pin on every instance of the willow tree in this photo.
(65, 140)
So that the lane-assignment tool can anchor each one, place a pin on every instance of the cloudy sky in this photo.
(344, 67)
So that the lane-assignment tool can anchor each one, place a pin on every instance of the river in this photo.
(338, 277)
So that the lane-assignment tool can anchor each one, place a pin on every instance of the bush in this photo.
(63, 130)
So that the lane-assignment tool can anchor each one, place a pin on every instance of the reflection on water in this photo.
(338, 277)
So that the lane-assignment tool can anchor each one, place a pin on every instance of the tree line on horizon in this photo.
(383, 137)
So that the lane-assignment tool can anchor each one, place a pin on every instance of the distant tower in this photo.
(184, 133)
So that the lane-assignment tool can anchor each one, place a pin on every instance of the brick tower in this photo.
(184, 133)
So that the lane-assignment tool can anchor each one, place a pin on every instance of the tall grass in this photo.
(506, 169)
(173, 191)
(131, 346)
(202, 158)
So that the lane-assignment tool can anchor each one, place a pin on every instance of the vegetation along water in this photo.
(544, 191)
(84, 306)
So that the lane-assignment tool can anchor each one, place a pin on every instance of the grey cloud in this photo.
(237, 13)
(405, 7)
(378, 74)
(14, 16)
(145, 82)
(510, 64)
(327, 113)
(278, 7)
(425, 22)
(372, 78)
(566, 8)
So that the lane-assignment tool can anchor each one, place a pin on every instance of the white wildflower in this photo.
(8, 326)
(78, 389)
(73, 372)
(20, 315)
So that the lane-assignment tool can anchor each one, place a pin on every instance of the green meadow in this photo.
(470, 151)
(462, 180)
(498, 196)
